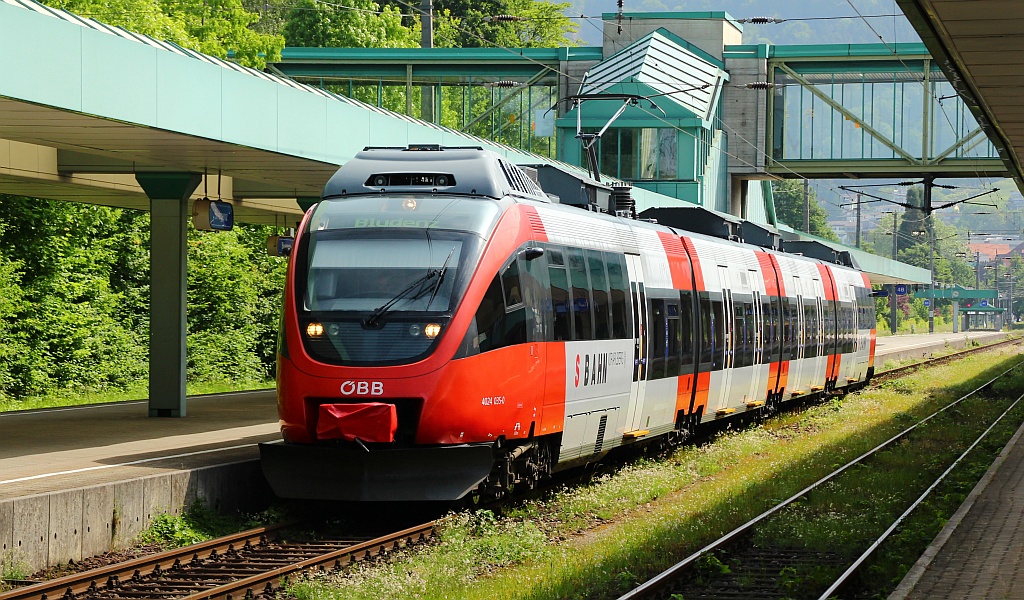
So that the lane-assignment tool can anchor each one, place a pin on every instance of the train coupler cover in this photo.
(315, 472)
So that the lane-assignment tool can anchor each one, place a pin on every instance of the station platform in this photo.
(78, 481)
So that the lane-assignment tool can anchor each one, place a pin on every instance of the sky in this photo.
(808, 22)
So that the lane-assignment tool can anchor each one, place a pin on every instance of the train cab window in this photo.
(582, 310)
(687, 332)
(512, 285)
(599, 287)
(657, 339)
(490, 319)
(617, 302)
(561, 304)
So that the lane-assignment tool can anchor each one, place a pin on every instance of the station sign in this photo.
(213, 215)
(880, 293)
(901, 289)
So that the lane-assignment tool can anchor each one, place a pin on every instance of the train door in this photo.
(728, 339)
(638, 387)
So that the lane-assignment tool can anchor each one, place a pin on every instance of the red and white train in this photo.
(450, 331)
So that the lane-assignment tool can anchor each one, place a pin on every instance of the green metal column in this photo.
(168, 200)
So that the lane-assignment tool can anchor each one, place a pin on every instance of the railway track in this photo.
(734, 567)
(243, 565)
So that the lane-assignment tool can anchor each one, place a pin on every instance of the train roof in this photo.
(433, 169)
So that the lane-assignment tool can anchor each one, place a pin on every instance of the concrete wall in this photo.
(45, 530)
(745, 112)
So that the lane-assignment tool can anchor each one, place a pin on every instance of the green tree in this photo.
(540, 24)
(347, 24)
(214, 27)
(789, 208)
(66, 319)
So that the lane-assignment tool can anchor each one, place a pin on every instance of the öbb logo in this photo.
(362, 388)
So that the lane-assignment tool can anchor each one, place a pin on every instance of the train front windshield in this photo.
(384, 273)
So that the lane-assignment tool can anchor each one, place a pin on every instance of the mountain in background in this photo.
(828, 22)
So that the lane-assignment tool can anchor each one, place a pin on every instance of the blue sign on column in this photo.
(901, 289)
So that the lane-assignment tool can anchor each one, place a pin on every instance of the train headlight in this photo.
(431, 330)
(409, 204)
(333, 329)
(314, 329)
(415, 330)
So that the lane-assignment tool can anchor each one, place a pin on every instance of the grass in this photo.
(599, 540)
(138, 392)
(197, 524)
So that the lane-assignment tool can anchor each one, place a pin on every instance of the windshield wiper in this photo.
(440, 277)
(371, 321)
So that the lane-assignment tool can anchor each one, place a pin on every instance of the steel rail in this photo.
(81, 582)
(657, 584)
(264, 583)
(159, 575)
(924, 495)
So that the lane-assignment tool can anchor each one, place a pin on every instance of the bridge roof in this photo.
(980, 45)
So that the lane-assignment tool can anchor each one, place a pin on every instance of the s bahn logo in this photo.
(595, 369)
(362, 388)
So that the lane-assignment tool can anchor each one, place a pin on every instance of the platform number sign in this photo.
(927, 303)
(901, 289)
(984, 302)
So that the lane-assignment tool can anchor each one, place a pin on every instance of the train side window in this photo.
(618, 304)
(741, 335)
(718, 333)
(582, 311)
(686, 331)
(658, 333)
(706, 335)
(673, 339)
(810, 330)
(599, 287)
(561, 305)
(770, 316)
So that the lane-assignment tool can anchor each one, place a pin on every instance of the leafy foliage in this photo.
(74, 300)
(215, 27)
(347, 24)
(789, 208)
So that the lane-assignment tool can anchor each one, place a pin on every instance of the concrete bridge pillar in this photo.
(168, 200)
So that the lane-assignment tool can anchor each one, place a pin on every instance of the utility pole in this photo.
(858, 220)
(929, 181)
(895, 250)
(427, 41)
(807, 208)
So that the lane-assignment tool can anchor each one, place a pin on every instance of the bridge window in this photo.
(639, 154)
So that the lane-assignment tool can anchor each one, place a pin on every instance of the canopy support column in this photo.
(168, 200)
